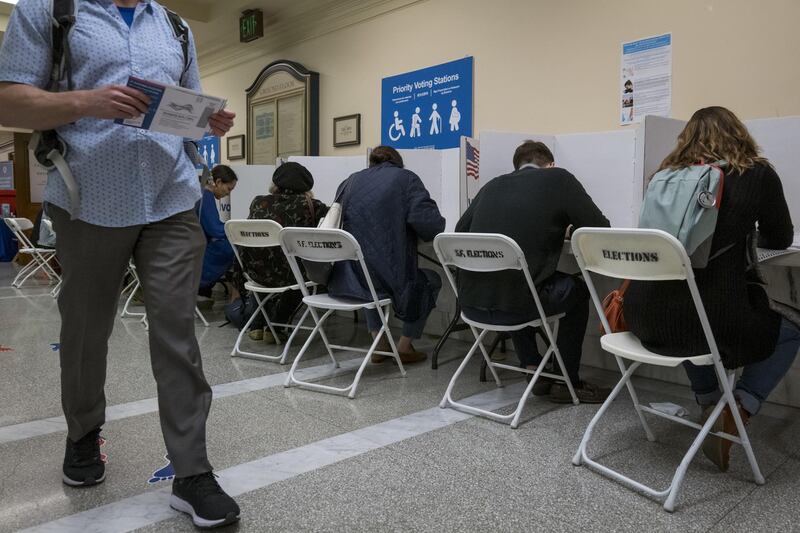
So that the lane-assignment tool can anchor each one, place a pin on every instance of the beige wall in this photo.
(550, 65)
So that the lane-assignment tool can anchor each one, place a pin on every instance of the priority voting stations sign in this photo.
(428, 108)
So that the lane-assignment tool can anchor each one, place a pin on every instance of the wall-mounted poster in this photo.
(646, 82)
(428, 108)
(6, 175)
(264, 143)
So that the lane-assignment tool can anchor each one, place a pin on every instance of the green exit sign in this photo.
(251, 25)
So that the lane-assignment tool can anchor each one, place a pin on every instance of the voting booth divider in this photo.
(613, 166)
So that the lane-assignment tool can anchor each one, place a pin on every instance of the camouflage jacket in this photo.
(268, 266)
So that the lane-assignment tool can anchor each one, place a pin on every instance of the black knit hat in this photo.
(293, 177)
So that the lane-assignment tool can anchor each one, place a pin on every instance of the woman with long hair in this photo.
(748, 332)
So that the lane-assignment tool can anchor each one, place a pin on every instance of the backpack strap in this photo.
(63, 17)
(181, 32)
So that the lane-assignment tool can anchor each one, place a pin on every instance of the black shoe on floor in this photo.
(201, 497)
(83, 466)
(586, 393)
(543, 385)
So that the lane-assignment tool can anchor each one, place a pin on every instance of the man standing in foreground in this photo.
(137, 192)
(536, 205)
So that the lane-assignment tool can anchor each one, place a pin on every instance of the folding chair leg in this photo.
(386, 331)
(200, 316)
(290, 340)
(126, 308)
(487, 360)
(580, 456)
(236, 350)
(290, 379)
(367, 357)
(636, 405)
(447, 398)
(30, 269)
(560, 362)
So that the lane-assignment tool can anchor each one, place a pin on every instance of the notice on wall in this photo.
(646, 81)
(428, 108)
(38, 178)
(6, 175)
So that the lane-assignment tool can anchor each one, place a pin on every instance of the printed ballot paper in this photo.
(174, 110)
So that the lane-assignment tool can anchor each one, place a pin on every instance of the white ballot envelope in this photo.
(174, 110)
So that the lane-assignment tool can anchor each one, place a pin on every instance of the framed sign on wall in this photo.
(282, 113)
(236, 147)
(347, 130)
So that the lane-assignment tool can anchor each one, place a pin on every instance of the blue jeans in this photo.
(560, 293)
(758, 380)
(414, 329)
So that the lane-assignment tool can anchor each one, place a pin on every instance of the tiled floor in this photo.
(389, 460)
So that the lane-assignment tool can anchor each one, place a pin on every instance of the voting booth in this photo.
(615, 167)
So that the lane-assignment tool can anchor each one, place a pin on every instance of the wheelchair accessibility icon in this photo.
(397, 130)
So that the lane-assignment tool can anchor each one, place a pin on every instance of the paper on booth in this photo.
(174, 110)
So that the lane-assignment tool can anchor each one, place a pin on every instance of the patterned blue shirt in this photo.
(126, 176)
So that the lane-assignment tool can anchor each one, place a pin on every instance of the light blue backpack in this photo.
(685, 203)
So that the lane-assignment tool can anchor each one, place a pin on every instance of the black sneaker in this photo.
(83, 465)
(201, 497)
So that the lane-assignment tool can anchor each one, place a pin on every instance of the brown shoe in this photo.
(383, 346)
(586, 393)
(412, 357)
(718, 450)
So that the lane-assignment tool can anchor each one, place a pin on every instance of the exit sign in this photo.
(251, 25)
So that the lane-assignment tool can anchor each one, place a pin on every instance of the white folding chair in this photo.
(491, 252)
(334, 245)
(40, 257)
(262, 234)
(651, 255)
(132, 288)
(57, 289)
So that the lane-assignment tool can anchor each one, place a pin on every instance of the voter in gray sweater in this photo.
(535, 205)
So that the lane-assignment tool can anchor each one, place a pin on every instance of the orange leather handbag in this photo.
(612, 308)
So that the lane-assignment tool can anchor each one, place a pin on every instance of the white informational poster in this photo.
(38, 178)
(646, 81)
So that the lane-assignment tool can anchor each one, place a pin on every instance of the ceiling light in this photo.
(12, 2)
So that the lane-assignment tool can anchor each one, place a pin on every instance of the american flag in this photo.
(473, 161)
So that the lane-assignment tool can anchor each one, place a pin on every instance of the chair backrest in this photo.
(637, 254)
(323, 246)
(251, 234)
(484, 252)
(18, 227)
(317, 244)
(479, 252)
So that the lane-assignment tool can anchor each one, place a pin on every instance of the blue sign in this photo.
(428, 108)
(208, 147)
(7, 175)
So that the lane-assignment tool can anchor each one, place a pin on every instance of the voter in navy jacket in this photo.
(388, 210)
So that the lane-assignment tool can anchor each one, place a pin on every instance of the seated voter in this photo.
(219, 256)
(748, 333)
(388, 209)
(534, 205)
(290, 202)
